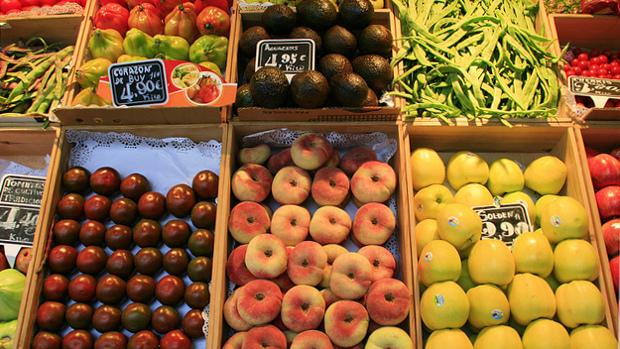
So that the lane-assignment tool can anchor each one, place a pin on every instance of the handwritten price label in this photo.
(504, 222)
(138, 83)
(292, 56)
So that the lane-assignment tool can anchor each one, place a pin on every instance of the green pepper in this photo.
(212, 66)
(209, 48)
(171, 47)
(106, 43)
(88, 75)
(139, 43)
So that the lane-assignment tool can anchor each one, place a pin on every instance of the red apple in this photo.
(591, 152)
(614, 265)
(611, 234)
(608, 202)
(615, 153)
(605, 170)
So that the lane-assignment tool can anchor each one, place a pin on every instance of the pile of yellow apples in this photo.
(479, 293)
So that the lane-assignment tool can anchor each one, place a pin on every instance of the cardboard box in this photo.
(525, 145)
(223, 243)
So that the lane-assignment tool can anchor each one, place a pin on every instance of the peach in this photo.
(266, 256)
(311, 339)
(355, 157)
(303, 308)
(373, 224)
(333, 251)
(231, 313)
(334, 160)
(247, 220)
(259, 302)
(329, 296)
(387, 301)
(311, 151)
(251, 182)
(265, 337)
(330, 225)
(235, 266)
(381, 260)
(236, 341)
(255, 155)
(290, 223)
(350, 278)
(291, 185)
(346, 323)
(374, 181)
(330, 187)
(279, 160)
(306, 263)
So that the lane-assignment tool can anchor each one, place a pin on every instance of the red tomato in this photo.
(134, 3)
(584, 65)
(112, 16)
(583, 56)
(575, 62)
(105, 2)
(9, 6)
(175, 340)
(48, 2)
(30, 3)
(603, 59)
(214, 21)
(168, 5)
(577, 71)
(145, 17)
(199, 5)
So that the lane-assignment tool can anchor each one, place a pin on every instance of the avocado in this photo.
(307, 33)
(355, 14)
(279, 19)
(333, 64)
(375, 70)
(375, 39)
(371, 99)
(349, 89)
(244, 97)
(338, 39)
(309, 89)
(317, 14)
(249, 70)
(269, 87)
(250, 37)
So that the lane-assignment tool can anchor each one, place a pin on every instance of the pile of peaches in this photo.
(105, 264)
(297, 286)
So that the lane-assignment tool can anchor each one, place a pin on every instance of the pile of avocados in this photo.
(352, 57)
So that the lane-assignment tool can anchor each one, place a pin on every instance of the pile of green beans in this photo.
(481, 59)
(33, 77)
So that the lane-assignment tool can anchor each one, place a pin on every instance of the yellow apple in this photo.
(389, 337)
(491, 262)
(496, 337)
(579, 303)
(565, 219)
(426, 165)
(592, 336)
(545, 175)
(488, 306)
(533, 254)
(459, 225)
(542, 203)
(505, 176)
(465, 279)
(474, 194)
(521, 197)
(530, 298)
(467, 167)
(430, 200)
(449, 338)
(444, 305)
(545, 334)
(425, 232)
(575, 259)
(438, 261)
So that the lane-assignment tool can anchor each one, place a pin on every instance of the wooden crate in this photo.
(26, 327)
(62, 28)
(587, 31)
(384, 17)
(223, 243)
(525, 144)
(543, 28)
(603, 138)
(29, 146)
(95, 115)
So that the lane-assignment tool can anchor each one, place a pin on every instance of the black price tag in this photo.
(504, 222)
(292, 56)
(138, 83)
(21, 190)
(600, 90)
(18, 224)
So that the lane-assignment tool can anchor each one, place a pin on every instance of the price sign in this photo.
(138, 83)
(600, 90)
(22, 190)
(504, 222)
(292, 56)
